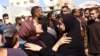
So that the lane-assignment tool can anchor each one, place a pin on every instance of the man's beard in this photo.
(40, 17)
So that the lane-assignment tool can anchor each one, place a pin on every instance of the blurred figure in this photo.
(65, 10)
(1, 26)
(12, 52)
(10, 35)
(52, 23)
(93, 33)
(1, 31)
(79, 16)
(5, 18)
(87, 13)
(31, 29)
(29, 18)
(99, 11)
(76, 12)
(23, 18)
(18, 23)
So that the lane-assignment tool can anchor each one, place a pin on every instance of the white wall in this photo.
(2, 11)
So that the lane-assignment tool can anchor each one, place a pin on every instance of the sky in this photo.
(75, 2)
(78, 2)
(4, 2)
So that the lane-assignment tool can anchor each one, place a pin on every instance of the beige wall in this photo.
(23, 3)
(62, 2)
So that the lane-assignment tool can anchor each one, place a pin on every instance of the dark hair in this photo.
(34, 9)
(98, 7)
(94, 8)
(0, 19)
(50, 14)
(65, 7)
(87, 9)
(17, 18)
(73, 11)
(4, 15)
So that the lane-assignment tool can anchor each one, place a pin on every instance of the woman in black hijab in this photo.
(76, 47)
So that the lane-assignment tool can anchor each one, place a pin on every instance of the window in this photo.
(25, 2)
(18, 3)
(31, 1)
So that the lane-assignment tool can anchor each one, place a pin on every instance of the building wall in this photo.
(23, 3)
(61, 3)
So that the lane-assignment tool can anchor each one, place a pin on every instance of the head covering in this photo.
(69, 21)
(9, 31)
(27, 30)
(76, 47)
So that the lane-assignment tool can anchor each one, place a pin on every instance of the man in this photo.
(94, 34)
(18, 23)
(5, 17)
(65, 10)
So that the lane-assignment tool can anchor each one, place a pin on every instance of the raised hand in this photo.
(63, 40)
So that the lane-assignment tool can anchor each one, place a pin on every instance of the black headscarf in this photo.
(72, 26)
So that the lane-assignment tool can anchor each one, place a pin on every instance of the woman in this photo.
(30, 33)
(76, 47)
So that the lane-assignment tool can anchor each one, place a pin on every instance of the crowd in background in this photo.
(73, 32)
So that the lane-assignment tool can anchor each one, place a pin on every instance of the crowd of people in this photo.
(52, 35)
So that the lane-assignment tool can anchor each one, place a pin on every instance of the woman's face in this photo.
(61, 25)
(38, 28)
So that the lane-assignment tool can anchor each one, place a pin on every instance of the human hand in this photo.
(86, 52)
(64, 40)
(33, 47)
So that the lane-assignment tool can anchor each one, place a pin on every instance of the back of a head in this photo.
(9, 31)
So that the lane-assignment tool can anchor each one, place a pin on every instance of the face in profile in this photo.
(38, 28)
(87, 13)
(39, 13)
(61, 25)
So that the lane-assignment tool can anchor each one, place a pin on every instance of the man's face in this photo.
(65, 11)
(53, 17)
(39, 13)
(77, 13)
(1, 22)
(94, 14)
(87, 13)
(6, 17)
(19, 22)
